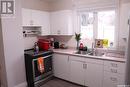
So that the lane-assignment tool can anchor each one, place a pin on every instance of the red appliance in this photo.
(44, 44)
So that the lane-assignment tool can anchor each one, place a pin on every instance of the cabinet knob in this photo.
(114, 70)
(84, 66)
(113, 79)
(114, 65)
(58, 32)
(31, 22)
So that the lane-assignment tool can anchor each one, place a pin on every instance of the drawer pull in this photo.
(84, 66)
(113, 79)
(114, 65)
(113, 70)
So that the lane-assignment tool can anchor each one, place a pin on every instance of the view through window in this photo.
(98, 25)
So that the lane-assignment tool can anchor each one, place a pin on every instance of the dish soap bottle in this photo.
(36, 48)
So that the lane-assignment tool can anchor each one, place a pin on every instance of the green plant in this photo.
(77, 36)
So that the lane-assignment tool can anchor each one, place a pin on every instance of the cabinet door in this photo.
(26, 17)
(61, 23)
(55, 30)
(112, 79)
(93, 75)
(37, 18)
(61, 66)
(77, 72)
(45, 23)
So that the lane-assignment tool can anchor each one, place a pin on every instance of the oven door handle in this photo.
(43, 57)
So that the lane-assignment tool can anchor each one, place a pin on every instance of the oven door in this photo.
(37, 75)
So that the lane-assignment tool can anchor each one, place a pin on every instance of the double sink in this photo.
(91, 53)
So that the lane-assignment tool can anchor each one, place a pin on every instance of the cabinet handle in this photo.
(113, 79)
(58, 32)
(68, 58)
(84, 66)
(31, 22)
(114, 65)
(114, 70)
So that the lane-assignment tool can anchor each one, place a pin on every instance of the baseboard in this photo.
(24, 84)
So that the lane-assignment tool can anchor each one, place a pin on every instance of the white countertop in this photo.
(71, 51)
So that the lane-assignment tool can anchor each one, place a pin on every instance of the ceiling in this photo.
(51, 0)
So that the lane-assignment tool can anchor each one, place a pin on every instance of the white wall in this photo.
(29, 42)
(124, 14)
(3, 79)
(14, 48)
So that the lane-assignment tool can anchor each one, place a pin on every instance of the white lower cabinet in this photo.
(85, 72)
(112, 79)
(77, 72)
(88, 71)
(61, 66)
(114, 74)
(94, 75)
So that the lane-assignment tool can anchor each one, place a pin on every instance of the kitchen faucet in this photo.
(93, 48)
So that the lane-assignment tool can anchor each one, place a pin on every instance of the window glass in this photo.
(106, 25)
(103, 22)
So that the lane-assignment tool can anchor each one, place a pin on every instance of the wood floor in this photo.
(55, 82)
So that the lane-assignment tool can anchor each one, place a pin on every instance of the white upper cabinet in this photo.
(36, 18)
(26, 17)
(61, 22)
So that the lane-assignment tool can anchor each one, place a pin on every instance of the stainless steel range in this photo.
(34, 76)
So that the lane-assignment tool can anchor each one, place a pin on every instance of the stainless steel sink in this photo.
(81, 52)
(96, 54)
(90, 53)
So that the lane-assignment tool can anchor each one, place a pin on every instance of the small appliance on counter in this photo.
(63, 46)
(44, 44)
(56, 45)
(38, 67)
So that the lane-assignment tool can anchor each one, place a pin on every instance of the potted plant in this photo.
(77, 38)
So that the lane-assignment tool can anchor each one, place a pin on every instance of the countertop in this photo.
(71, 51)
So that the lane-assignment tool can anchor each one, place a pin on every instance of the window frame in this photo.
(95, 30)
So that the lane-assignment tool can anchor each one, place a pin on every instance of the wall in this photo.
(36, 4)
(29, 42)
(14, 48)
(3, 78)
(124, 14)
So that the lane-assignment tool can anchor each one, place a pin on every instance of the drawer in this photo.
(114, 67)
(75, 58)
(95, 61)
(112, 79)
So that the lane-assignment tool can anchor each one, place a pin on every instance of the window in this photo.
(98, 25)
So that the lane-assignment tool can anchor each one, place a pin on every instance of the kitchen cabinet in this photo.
(26, 17)
(77, 72)
(113, 74)
(61, 22)
(36, 18)
(93, 75)
(88, 72)
(61, 66)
